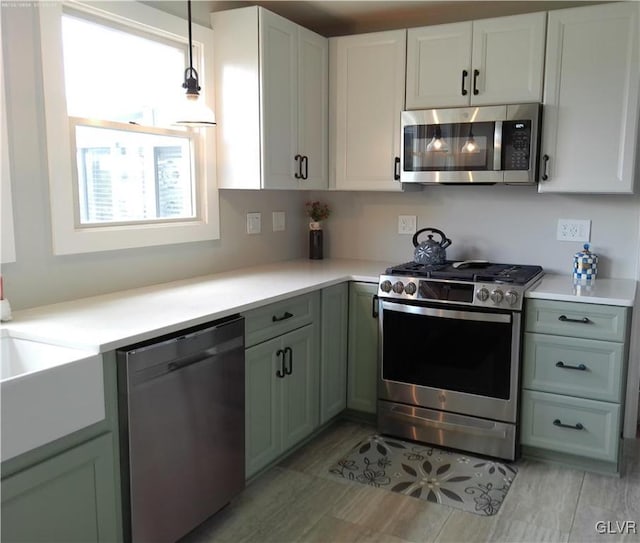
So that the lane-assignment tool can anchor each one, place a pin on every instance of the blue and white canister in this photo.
(585, 266)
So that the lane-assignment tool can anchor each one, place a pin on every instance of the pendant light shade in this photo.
(193, 112)
(437, 143)
(470, 145)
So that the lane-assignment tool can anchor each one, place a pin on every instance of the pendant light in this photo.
(193, 112)
(437, 144)
(470, 145)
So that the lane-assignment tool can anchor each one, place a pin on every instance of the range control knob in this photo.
(482, 294)
(398, 287)
(497, 296)
(410, 288)
(385, 286)
(512, 297)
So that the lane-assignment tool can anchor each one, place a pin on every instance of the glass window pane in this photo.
(115, 75)
(132, 176)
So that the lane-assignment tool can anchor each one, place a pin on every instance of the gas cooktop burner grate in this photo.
(479, 272)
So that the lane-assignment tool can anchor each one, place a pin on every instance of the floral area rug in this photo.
(472, 484)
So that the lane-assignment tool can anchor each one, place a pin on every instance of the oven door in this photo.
(455, 359)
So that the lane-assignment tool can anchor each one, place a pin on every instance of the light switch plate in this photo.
(406, 224)
(278, 218)
(254, 223)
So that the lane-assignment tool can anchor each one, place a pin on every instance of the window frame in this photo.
(71, 237)
(113, 125)
(7, 237)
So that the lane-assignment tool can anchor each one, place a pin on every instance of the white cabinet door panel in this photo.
(590, 116)
(313, 98)
(508, 54)
(278, 58)
(436, 58)
(368, 98)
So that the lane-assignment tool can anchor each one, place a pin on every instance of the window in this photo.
(120, 175)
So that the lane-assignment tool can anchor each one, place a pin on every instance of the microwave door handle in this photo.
(497, 147)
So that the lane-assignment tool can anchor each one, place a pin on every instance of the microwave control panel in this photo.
(516, 145)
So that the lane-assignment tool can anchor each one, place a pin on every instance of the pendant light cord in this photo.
(190, 43)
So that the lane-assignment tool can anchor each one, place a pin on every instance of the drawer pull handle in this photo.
(583, 320)
(288, 370)
(578, 426)
(284, 317)
(561, 364)
(283, 370)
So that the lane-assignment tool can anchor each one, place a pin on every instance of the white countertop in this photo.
(602, 291)
(110, 321)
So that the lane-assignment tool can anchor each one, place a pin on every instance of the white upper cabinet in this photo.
(271, 101)
(590, 113)
(485, 62)
(438, 65)
(366, 101)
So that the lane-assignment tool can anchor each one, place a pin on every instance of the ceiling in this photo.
(337, 17)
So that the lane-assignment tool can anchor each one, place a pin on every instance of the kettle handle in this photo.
(445, 240)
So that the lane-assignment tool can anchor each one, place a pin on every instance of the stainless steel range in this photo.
(450, 354)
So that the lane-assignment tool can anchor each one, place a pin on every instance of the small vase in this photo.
(315, 241)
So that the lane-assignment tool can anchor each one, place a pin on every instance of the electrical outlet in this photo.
(574, 230)
(254, 225)
(406, 224)
(278, 219)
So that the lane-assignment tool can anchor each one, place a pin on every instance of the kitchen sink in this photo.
(47, 391)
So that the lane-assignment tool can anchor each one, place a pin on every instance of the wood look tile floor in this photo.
(299, 501)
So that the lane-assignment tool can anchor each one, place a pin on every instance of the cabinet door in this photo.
(278, 62)
(366, 100)
(70, 497)
(362, 390)
(313, 105)
(438, 66)
(570, 425)
(590, 115)
(508, 59)
(262, 404)
(333, 351)
(300, 392)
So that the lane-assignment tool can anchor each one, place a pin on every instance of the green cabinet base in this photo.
(573, 461)
(68, 498)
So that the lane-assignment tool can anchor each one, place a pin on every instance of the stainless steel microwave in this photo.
(471, 145)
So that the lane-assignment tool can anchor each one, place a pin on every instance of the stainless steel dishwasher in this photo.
(181, 411)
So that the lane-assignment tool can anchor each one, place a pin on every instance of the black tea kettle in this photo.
(430, 252)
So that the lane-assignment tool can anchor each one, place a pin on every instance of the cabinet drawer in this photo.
(577, 367)
(280, 317)
(573, 319)
(598, 423)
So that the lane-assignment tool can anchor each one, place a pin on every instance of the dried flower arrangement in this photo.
(317, 211)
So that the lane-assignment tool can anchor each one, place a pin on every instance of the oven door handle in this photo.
(446, 313)
(478, 430)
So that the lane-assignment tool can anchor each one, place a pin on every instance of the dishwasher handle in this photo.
(148, 373)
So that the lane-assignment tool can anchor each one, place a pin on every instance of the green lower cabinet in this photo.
(333, 351)
(68, 498)
(363, 348)
(280, 410)
(576, 426)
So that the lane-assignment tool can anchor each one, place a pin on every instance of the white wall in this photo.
(502, 224)
(38, 277)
